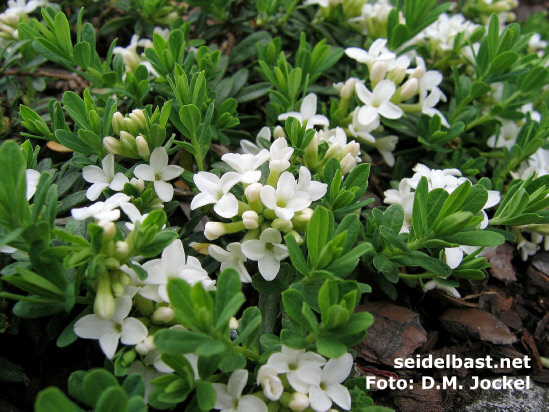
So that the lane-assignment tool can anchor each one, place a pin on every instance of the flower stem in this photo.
(269, 307)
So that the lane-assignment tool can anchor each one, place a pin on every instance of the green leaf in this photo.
(293, 339)
(206, 395)
(477, 238)
(52, 399)
(113, 399)
(95, 382)
(176, 342)
(330, 347)
(82, 54)
(388, 268)
(14, 208)
(296, 255)
(232, 362)
(9, 372)
(319, 230)
(293, 302)
(228, 297)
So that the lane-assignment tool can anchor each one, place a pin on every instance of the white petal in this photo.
(340, 395)
(202, 199)
(268, 196)
(227, 206)
(95, 190)
(390, 110)
(357, 54)
(285, 116)
(131, 211)
(268, 265)
(159, 159)
(453, 256)
(118, 182)
(308, 106)
(279, 362)
(207, 182)
(494, 198)
(319, 399)
(122, 307)
(219, 254)
(284, 213)
(171, 172)
(228, 180)
(300, 201)
(237, 382)
(271, 235)
(250, 403)
(133, 332)
(253, 249)
(280, 252)
(164, 190)
(109, 343)
(108, 165)
(94, 174)
(92, 327)
(173, 258)
(384, 90)
(144, 172)
(337, 370)
(364, 94)
(223, 400)
(316, 120)
(367, 115)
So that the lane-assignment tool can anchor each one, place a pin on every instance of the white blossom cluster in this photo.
(132, 59)
(17, 11)
(447, 179)
(395, 89)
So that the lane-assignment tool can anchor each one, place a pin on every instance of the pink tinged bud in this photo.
(409, 89)
(299, 402)
(142, 147)
(143, 348)
(278, 132)
(163, 314)
(118, 122)
(253, 192)
(250, 219)
(138, 118)
(378, 72)
(112, 145)
(214, 230)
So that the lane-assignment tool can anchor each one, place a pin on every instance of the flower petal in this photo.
(237, 382)
(227, 206)
(109, 343)
(171, 172)
(223, 400)
(159, 159)
(207, 182)
(95, 190)
(253, 249)
(340, 395)
(268, 196)
(164, 190)
(367, 115)
(94, 174)
(251, 403)
(133, 331)
(384, 90)
(364, 94)
(202, 199)
(118, 182)
(308, 106)
(122, 307)
(390, 111)
(319, 399)
(337, 369)
(92, 327)
(268, 265)
(144, 172)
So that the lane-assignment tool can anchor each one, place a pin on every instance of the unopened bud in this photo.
(408, 89)
(214, 230)
(157, 204)
(128, 358)
(278, 132)
(117, 289)
(250, 219)
(147, 345)
(348, 89)
(352, 148)
(143, 147)
(282, 225)
(397, 75)
(303, 216)
(112, 145)
(299, 402)
(417, 73)
(109, 230)
(118, 122)
(163, 314)
(138, 118)
(233, 323)
(138, 183)
(347, 164)
(253, 192)
(130, 126)
(128, 144)
(121, 250)
(333, 151)
(378, 72)
(103, 306)
(112, 263)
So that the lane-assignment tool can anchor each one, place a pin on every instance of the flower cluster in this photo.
(18, 10)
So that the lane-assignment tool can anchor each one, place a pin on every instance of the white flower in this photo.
(443, 32)
(363, 131)
(385, 146)
(377, 52)
(330, 388)
(267, 377)
(267, 251)
(19, 7)
(159, 172)
(447, 179)
(507, 136)
(378, 102)
(433, 284)
(428, 104)
(250, 148)
(247, 164)
(538, 162)
(231, 258)
(216, 190)
(172, 264)
(305, 184)
(103, 178)
(301, 368)
(286, 199)
(134, 214)
(129, 331)
(106, 211)
(404, 197)
(32, 177)
(307, 112)
(230, 399)
(129, 53)
(280, 155)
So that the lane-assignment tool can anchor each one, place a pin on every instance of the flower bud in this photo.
(138, 118)
(378, 72)
(130, 126)
(121, 250)
(348, 89)
(103, 306)
(128, 144)
(214, 230)
(163, 314)
(278, 132)
(250, 219)
(333, 151)
(408, 89)
(268, 378)
(118, 122)
(138, 184)
(303, 216)
(233, 323)
(299, 402)
(117, 288)
(147, 345)
(112, 145)
(253, 192)
(112, 263)
(109, 230)
(397, 75)
(157, 204)
(417, 73)
(352, 147)
(143, 147)
(282, 225)
(128, 358)
(347, 164)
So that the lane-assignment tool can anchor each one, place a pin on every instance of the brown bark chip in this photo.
(502, 268)
(474, 323)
